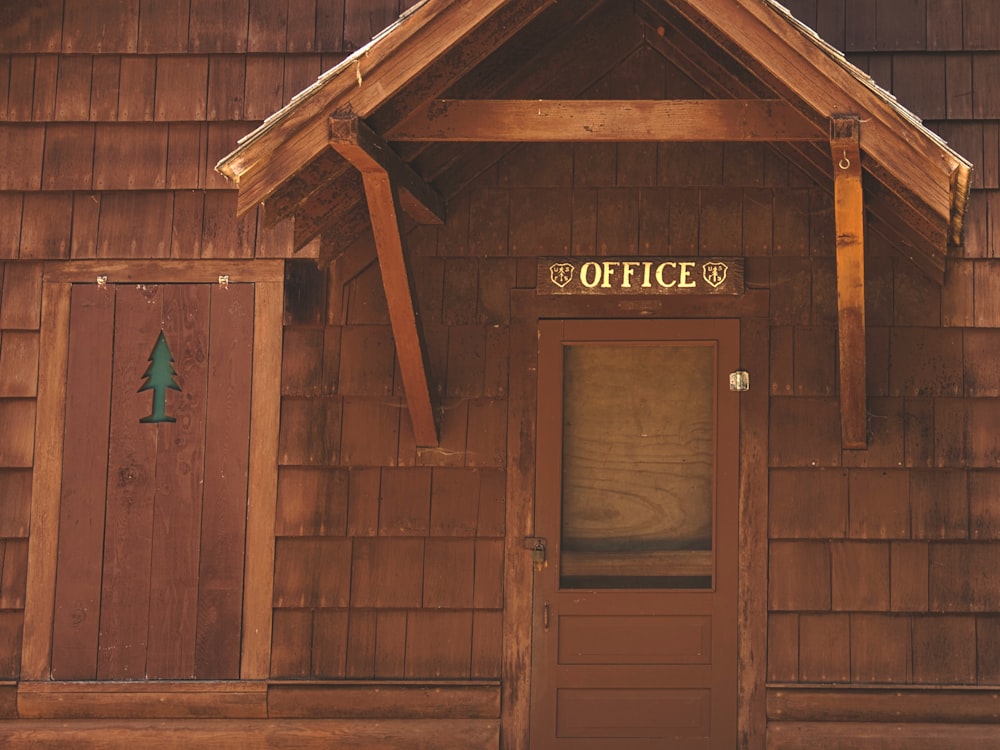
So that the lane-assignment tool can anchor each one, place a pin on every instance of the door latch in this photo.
(536, 545)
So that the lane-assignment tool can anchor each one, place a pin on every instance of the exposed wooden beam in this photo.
(377, 173)
(366, 150)
(849, 208)
(523, 120)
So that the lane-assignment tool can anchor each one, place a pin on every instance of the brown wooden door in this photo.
(634, 618)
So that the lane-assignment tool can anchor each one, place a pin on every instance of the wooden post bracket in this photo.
(849, 210)
(383, 174)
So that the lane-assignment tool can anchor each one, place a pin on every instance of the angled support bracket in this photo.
(361, 145)
(849, 210)
(383, 174)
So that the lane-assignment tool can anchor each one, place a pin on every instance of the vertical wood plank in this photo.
(15, 512)
(782, 648)
(177, 501)
(944, 649)
(824, 648)
(329, 645)
(293, 636)
(361, 644)
(21, 299)
(223, 520)
(390, 644)
(487, 638)
(85, 461)
(438, 644)
(515, 664)
(880, 648)
(753, 494)
(43, 543)
(262, 497)
(132, 478)
(19, 364)
(17, 440)
(850, 217)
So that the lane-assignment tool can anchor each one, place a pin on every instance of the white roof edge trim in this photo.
(886, 96)
(346, 64)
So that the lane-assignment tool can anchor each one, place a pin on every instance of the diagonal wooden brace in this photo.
(379, 173)
(849, 210)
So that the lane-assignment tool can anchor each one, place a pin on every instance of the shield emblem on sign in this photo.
(715, 273)
(561, 274)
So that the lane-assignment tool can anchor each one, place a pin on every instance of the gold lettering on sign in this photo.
(626, 276)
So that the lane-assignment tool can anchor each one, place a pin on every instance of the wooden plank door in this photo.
(153, 504)
(634, 618)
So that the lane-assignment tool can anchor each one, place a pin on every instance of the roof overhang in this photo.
(341, 154)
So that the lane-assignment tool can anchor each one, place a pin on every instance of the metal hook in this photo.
(845, 162)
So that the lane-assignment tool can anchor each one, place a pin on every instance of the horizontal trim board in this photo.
(391, 701)
(861, 736)
(165, 272)
(147, 700)
(523, 120)
(253, 734)
(893, 704)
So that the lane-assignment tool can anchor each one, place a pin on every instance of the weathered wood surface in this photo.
(478, 120)
(125, 582)
(849, 211)
(45, 485)
(388, 700)
(81, 507)
(890, 705)
(754, 487)
(141, 700)
(892, 736)
(226, 478)
(384, 176)
(265, 413)
(253, 734)
(178, 499)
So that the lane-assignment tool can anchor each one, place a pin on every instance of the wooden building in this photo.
(500, 374)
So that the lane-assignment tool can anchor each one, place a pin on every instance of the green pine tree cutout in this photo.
(159, 376)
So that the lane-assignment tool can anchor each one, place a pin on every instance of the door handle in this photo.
(545, 616)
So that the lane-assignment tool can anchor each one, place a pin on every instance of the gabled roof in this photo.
(916, 186)
(441, 95)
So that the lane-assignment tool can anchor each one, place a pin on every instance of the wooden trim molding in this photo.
(163, 271)
(546, 120)
(58, 278)
(262, 490)
(849, 211)
(39, 603)
(752, 309)
(251, 734)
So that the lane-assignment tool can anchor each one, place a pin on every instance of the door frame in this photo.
(57, 280)
(752, 309)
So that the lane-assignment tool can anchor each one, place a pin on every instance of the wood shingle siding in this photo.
(388, 586)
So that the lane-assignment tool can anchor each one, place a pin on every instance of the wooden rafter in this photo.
(849, 209)
(528, 120)
(381, 172)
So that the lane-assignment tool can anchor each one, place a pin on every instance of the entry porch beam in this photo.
(383, 174)
(542, 120)
(849, 210)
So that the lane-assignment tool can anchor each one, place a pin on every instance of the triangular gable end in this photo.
(363, 144)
